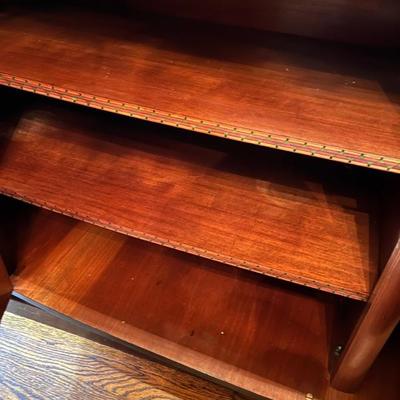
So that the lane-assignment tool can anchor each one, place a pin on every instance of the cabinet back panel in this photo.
(358, 21)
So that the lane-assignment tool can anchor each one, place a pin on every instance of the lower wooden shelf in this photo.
(247, 330)
(294, 218)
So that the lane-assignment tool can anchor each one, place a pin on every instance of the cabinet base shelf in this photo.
(224, 323)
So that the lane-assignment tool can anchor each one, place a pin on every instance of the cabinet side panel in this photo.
(380, 317)
(390, 218)
(382, 312)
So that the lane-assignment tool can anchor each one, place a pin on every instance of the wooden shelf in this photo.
(222, 322)
(292, 217)
(315, 98)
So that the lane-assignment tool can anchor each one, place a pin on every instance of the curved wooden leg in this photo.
(380, 317)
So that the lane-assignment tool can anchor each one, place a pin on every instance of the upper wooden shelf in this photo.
(338, 102)
(291, 217)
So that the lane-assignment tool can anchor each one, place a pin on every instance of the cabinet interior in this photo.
(143, 197)
(214, 190)
(221, 321)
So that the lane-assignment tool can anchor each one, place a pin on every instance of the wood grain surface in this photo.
(50, 337)
(39, 362)
(291, 217)
(98, 295)
(293, 94)
(224, 323)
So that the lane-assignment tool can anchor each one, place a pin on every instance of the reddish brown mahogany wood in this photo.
(365, 21)
(5, 287)
(380, 317)
(291, 217)
(382, 381)
(223, 322)
(326, 100)
(60, 278)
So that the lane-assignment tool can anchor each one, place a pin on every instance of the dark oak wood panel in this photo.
(225, 323)
(25, 327)
(363, 21)
(293, 94)
(295, 218)
(62, 365)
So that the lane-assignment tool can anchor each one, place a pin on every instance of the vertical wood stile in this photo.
(380, 317)
(5, 287)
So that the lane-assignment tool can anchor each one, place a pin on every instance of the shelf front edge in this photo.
(240, 134)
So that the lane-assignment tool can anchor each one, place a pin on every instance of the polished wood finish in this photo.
(380, 317)
(382, 381)
(62, 365)
(362, 21)
(382, 313)
(5, 287)
(299, 95)
(302, 220)
(225, 323)
(291, 217)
